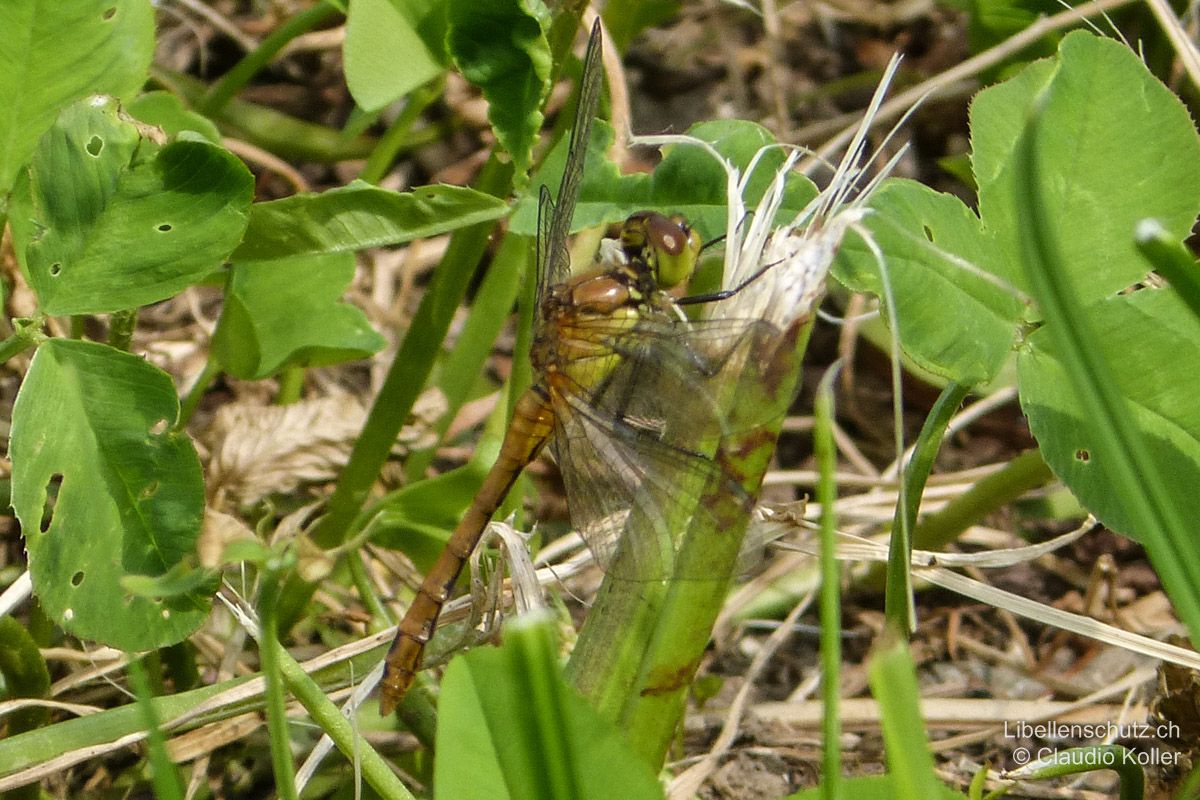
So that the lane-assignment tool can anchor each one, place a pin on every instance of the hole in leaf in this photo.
(68, 615)
(95, 146)
(1083, 456)
(158, 428)
(148, 491)
(166, 226)
(53, 489)
(109, 13)
(55, 269)
(928, 232)
(166, 613)
(77, 578)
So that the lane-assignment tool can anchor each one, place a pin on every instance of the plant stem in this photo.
(282, 763)
(163, 774)
(232, 82)
(291, 385)
(192, 398)
(327, 715)
(825, 451)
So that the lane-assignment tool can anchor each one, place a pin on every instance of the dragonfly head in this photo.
(666, 247)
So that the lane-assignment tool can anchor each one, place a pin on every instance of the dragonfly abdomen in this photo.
(531, 426)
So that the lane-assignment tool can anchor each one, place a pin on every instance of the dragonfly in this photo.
(628, 392)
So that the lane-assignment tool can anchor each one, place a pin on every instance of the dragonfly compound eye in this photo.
(675, 249)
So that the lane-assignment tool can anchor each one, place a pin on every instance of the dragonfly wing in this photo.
(636, 444)
(620, 480)
(553, 263)
(545, 269)
(696, 379)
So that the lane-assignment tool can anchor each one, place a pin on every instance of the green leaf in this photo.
(953, 322)
(250, 551)
(105, 219)
(510, 727)
(1138, 470)
(287, 313)
(1102, 171)
(52, 54)
(500, 46)
(418, 518)
(689, 181)
(99, 424)
(25, 675)
(360, 215)
(28, 750)
(165, 110)
(1109, 122)
(993, 21)
(1076, 760)
(894, 684)
(625, 19)
(1157, 379)
(391, 48)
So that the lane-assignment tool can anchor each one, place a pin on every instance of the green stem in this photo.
(329, 717)
(27, 333)
(406, 377)
(898, 600)
(639, 649)
(458, 373)
(282, 763)
(120, 328)
(291, 386)
(825, 451)
(192, 399)
(398, 135)
(1077, 760)
(165, 777)
(1173, 261)
(1025, 472)
(233, 81)
(278, 133)
(411, 366)
(380, 618)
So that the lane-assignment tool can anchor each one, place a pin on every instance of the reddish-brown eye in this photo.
(665, 234)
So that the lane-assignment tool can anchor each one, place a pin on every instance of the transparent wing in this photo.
(553, 262)
(635, 441)
(545, 215)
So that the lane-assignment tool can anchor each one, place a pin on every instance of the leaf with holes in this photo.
(1154, 377)
(105, 488)
(55, 53)
(1118, 147)
(105, 218)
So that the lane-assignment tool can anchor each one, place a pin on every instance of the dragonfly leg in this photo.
(725, 294)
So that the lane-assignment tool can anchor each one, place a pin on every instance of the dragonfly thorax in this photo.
(665, 248)
(579, 317)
